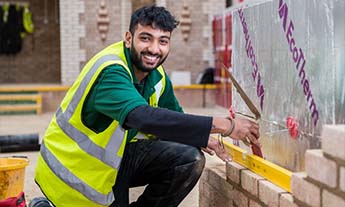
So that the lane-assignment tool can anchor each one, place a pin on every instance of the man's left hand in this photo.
(215, 147)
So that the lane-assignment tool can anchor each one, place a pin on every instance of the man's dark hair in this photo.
(157, 17)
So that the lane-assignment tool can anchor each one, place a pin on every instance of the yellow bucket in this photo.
(12, 173)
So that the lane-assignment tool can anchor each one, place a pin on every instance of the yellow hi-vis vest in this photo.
(76, 166)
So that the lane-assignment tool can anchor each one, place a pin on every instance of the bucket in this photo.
(12, 173)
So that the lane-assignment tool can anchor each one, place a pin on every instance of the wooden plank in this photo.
(20, 97)
(20, 107)
(37, 88)
(39, 104)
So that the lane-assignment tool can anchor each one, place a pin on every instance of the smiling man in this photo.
(120, 126)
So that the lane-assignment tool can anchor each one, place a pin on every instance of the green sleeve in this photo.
(112, 97)
(168, 99)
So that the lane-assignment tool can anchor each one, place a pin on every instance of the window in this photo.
(228, 3)
(136, 4)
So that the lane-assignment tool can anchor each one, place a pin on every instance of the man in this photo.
(120, 126)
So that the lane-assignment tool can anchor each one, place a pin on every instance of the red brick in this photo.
(254, 204)
(240, 199)
(233, 172)
(249, 181)
(215, 176)
(204, 175)
(218, 181)
(204, 189)
(320, 168)
(269, 193)
(304, 190)
(286, 200)
(204, 202)
(194, 97)
(331, 200)
(342, 178)
(206, 195)
(333, 140)
(222, 201)
(214, 189)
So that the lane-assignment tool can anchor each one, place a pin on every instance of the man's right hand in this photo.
(245, 129)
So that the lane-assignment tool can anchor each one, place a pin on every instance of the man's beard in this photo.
(136, 60)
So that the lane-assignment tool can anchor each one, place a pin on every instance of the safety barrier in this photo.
(20, 103)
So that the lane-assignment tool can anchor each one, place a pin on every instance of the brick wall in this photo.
(193, 55)
(59, 47)
(198, 98)
(92, 42)
(321, 185)
(72, 31)
(323, 182)
(39, 59)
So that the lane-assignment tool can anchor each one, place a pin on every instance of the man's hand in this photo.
(246, 130)
(215, 147)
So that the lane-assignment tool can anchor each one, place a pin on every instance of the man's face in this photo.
(149, 47)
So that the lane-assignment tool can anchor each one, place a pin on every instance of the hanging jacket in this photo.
(77, 166)
(20, 11)
(27, 20)
(12, 42)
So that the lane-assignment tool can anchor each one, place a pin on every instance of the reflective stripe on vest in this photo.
(140, 136)
(105, 155)
(70, 179)
(155, 96)
(85, 81)
(158, 89)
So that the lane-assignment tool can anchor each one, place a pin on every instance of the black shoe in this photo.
(40, 202)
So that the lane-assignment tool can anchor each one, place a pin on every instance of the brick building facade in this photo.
(66, 35)
(322, 184)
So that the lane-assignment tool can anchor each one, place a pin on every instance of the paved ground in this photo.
(25, 124)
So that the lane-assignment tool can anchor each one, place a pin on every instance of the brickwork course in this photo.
(320, 185)
(66, 35)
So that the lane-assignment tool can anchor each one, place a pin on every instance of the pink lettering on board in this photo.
(260, 90)
(298, 58)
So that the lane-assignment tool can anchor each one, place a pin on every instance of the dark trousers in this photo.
(170, 170)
